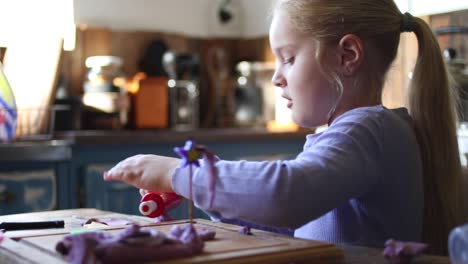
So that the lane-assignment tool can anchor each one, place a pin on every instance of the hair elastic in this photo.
(407, 23)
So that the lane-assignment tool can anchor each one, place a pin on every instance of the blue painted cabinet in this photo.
(27, 191)
(34, 176)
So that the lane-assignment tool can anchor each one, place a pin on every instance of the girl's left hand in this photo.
(149, 172)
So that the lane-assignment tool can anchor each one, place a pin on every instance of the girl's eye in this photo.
(289, 60)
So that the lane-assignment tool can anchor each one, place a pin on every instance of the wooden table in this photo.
(229, 246)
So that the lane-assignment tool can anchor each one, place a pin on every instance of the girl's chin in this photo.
(307, 122)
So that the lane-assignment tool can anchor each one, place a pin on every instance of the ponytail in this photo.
(432, 104)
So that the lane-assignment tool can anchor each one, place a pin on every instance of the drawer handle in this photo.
(7, 197)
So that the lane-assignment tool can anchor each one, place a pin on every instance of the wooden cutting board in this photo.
(229, 246)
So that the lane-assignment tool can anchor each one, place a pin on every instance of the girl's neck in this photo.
(348, 103)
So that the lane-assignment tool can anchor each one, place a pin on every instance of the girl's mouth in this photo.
(289, 104)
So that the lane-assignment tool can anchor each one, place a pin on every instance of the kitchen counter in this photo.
(59, 148)
(204, 136)
(50, 150)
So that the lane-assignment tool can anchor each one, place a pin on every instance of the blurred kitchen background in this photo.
(170, 64)
(96, 81)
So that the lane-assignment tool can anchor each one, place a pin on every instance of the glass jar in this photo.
(458, 245)
(184, 99)
(459, 72)
(103, 73)
(248, 96)
(105, 92)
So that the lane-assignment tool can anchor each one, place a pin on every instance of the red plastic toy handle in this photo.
(155, 204)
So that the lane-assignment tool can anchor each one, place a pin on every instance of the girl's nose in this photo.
(278, 80)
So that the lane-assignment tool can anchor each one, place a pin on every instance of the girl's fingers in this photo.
(106, 176)
(112, 175)
(143, 192)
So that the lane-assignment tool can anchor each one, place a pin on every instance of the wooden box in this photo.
(229, 246)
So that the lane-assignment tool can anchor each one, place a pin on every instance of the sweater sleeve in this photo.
(334, 166)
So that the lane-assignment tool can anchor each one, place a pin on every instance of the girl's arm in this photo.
(334, 167)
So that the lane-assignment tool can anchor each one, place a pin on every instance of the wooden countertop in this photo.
(348, 255)
(228, 245)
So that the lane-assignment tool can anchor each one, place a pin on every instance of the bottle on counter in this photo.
(155, 204)
(8, 112)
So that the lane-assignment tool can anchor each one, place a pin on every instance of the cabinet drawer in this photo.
(121, 197)
(27, 191)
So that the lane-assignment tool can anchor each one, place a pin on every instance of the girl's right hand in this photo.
(143, 192)
(148, 172)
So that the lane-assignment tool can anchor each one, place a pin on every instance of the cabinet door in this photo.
(121, 197)
(111, 196)
(27, 191)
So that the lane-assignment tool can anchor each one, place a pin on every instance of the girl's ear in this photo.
(351, 50)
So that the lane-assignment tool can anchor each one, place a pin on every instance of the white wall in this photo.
(23, 20)
(189, 17)
(199, 17)
(427, 7)
(214, 28)
(179, 16)
(257, 17)
(404, 5)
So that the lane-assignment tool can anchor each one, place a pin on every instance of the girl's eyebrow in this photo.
(283, 48)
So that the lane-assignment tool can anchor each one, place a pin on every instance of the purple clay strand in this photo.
(190, 195)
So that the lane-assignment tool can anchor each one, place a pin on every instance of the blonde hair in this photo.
(431, 101)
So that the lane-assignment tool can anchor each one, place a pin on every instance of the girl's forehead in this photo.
(282, 32)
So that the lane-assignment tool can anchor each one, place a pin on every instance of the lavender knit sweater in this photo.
(359, 182)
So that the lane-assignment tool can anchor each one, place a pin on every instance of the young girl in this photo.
(375, 173)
